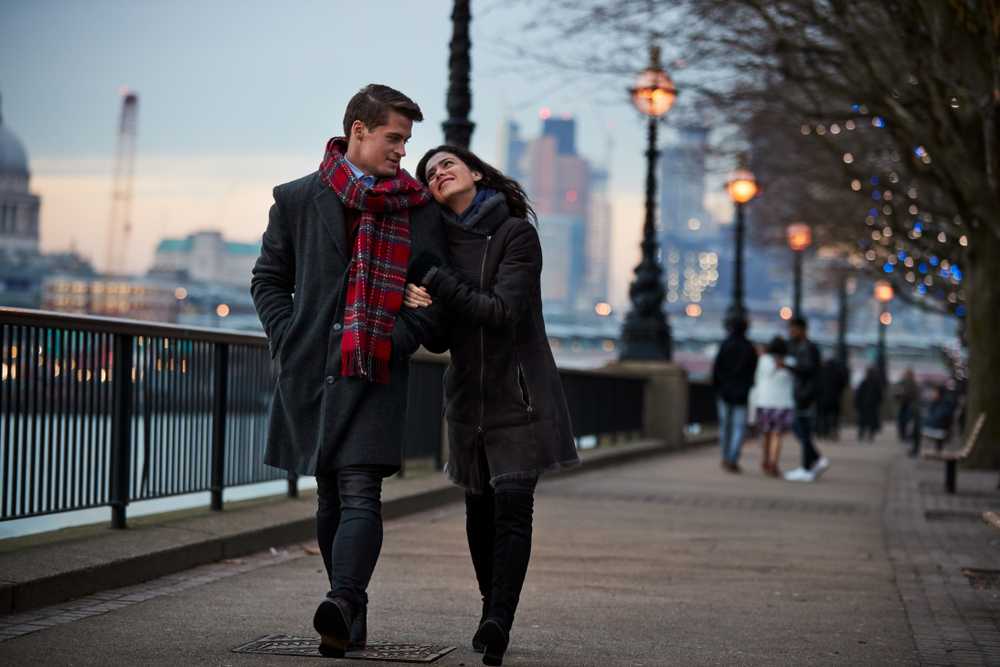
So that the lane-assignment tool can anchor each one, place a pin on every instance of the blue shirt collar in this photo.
(366, 180)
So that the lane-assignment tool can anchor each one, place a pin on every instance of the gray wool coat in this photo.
(503, 396)
(320, 419)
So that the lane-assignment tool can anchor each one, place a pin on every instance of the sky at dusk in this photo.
(236, 97)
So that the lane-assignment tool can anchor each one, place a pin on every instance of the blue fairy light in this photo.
(873, 212)
(887, 267)
(922, 268)
(934, 260)
(874, 180)
(902, 254)
(922, 288)
(863, 243)
(878, 122)
(955, 273)
(876, 195)
(960, 311)
(939, 294)
(945, 273)
(918, 227)
(856, 109)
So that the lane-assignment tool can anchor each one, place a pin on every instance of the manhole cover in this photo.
(983, 580)
(309, 646)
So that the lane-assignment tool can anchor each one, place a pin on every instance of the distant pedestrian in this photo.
(936, 422)
(832, 380)
(908, 395)
(805, 370)
(868, 402)
(773, 394)
(732, 377)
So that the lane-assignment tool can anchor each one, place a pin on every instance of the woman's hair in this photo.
(493, 178)
(778, 346)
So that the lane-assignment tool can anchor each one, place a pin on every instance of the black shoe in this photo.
(359, 630)
(333, 621)
(495, 639)
(477, 645)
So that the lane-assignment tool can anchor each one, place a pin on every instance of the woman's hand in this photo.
(416, 297)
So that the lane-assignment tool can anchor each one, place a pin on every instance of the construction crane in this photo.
(120, 220)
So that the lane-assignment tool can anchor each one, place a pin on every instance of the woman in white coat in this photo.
(773, 391)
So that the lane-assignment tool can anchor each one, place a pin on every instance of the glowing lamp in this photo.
(799, 236)
(883, 291)
(653, 93)
(741, 186)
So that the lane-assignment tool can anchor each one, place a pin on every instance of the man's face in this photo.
(378, 151)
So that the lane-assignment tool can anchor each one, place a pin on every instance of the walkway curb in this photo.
(46, 569)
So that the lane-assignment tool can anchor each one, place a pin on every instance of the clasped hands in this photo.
(416, 297)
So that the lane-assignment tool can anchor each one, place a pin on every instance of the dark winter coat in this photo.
(320, 419)
(806, 372)
(502, 390)
(733, 371)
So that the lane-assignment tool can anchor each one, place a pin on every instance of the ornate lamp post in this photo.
(458, 128)
(742, 187)
(883, 294)
(799, 238)
(646, 334)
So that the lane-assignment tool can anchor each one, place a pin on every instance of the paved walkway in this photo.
(663, 561)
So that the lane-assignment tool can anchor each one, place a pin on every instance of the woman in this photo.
(507, 416)
(773, 392)
(868, 402)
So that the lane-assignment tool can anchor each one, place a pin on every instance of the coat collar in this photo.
(491, 214)
(331, 212)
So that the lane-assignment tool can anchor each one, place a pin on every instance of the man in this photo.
(908, 395)
(805, 370)
(832, 379)
(732, 377)
(328, 287)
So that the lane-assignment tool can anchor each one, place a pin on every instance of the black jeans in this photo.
(349, 529)
(803, 426)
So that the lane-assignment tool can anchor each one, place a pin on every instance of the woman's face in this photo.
(451, 182)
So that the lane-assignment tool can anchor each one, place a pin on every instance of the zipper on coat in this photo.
(482, 341)
(522, 385)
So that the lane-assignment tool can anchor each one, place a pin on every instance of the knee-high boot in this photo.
(481, 533)
(511, 552)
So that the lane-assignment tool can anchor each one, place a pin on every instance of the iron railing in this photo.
(101, 412)
(702, 408)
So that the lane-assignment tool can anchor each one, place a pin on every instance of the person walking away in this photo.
(936, 423)
(328, 287)
(908, 395)
(773, 392)
(868, 402)
(805, 369)
(732, 378)
(504, 404)
(832, 379)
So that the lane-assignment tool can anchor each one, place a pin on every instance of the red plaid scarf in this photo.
(378, 268)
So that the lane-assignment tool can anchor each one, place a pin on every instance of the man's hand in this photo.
(416, 297)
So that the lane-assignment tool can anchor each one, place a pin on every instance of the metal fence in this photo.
(101, 412)
(702, 408)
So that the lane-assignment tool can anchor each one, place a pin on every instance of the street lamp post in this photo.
(883, 294)
(742, 187)
(646, 334)
(458, 128)
(799, 238)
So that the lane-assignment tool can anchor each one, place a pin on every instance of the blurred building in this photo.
(570, 200)
(23, 268)
(145, 300)
(206, 257)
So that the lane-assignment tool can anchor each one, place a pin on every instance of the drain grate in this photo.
(309, 646)
(982, 580)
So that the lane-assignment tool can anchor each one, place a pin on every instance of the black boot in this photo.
(511, 552)
(359, 629)
(481, 533)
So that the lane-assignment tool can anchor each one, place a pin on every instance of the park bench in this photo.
(952, 457)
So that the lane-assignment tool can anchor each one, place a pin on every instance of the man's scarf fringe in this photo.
(378, 266)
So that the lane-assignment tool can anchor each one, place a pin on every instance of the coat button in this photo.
(329, 379)
(337, 327)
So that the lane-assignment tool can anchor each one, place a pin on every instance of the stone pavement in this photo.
(667, 560)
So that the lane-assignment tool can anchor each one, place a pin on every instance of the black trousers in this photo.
(349, 529)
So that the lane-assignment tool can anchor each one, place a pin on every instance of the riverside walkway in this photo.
(665, 560)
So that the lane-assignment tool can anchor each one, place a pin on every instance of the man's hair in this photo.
(372, 104)
(737, 326)
(799, 322)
